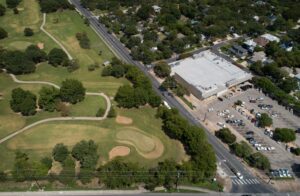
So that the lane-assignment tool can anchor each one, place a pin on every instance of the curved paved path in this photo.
(57, 118)
(53, 38)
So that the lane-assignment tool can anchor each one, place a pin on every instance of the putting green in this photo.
(146, 145)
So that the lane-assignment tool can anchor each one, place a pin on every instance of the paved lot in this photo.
(280, 157)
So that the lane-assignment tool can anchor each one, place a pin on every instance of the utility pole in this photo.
(177, 180)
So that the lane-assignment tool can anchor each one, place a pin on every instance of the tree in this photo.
(241, 149)
(21, 170)
(264, 120)
(48, 6)
(162, 70)
(144, 12)
(57, 57)
(17, 62)
(13, 3)
(72, 91)
(49, 96)
(28, 32)
(2, 10)
(86, 153)
(289, 84)
(23, 101)
(3, 33)
(125, 96)
(284, 135)
(226, 136)
(60, 152)
(259, 161)
(84, 41)
(35, 54)
(47, 162)
(295, 151)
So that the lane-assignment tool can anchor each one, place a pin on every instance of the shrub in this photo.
(241, 149)
(3, 33)
(112, 113)
(296, 151)
(284, 135)
(13, 3)
(265, 120)
(2, 10)
(259, 161)
(226, 136)
(28, 32)
(100, 112)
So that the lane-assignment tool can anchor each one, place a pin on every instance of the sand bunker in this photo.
(40, 45)
(119, 151)
(123, 120)
(146, 145)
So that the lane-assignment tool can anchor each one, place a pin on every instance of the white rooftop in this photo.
(270, 37)
(208, 72)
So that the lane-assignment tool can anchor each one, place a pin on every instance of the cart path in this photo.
(53, 38)
(80, 118)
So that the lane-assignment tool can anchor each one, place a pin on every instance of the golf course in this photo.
(135, 135)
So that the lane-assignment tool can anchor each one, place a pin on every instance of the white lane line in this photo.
(242, 182)
(252, 180)
(248, 181)
(233, 182)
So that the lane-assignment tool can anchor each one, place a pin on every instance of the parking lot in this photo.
(224, 113)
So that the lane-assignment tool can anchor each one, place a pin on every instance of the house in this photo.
(238, 51)
(156, 8)
(271, 38)
(264, 39)
(258, 56)
(250, 45)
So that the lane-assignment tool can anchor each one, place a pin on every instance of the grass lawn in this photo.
(88, 107)
(39, 141)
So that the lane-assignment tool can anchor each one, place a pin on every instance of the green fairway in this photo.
(40, 140)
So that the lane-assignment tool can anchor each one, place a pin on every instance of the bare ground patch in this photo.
(119, 151)
(123, 120)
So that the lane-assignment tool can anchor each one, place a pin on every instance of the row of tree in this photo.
(50, 98)
(84, 41)
(268, 87)
(139, 93)
(243, 150)
(48, 6)
(203, 160)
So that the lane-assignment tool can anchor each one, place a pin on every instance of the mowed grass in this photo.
(39, 141)
(88, 107)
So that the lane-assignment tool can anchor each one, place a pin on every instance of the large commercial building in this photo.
(205, 74)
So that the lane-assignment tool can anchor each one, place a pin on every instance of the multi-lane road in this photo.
(222, 154)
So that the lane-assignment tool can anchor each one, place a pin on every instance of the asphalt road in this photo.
(221, 152)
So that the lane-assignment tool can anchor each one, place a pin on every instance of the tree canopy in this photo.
(60, 152)
(3, 33)
(86, 153)
(13, 3)
(57, 57)
(162, 70)
(226, 136)
(284, 135)
(264, 120)
(49, 96)
(72, 91)
(23, 101)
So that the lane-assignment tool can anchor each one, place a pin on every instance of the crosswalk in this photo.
(236, 181)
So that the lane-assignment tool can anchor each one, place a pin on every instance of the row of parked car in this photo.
(280, 173)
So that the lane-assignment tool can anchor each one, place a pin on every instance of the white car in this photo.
(221, 124)
(239, 175)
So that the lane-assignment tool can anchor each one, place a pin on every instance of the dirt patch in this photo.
(56, 168)
(119, 151)
(123, 120)
(41, 45)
